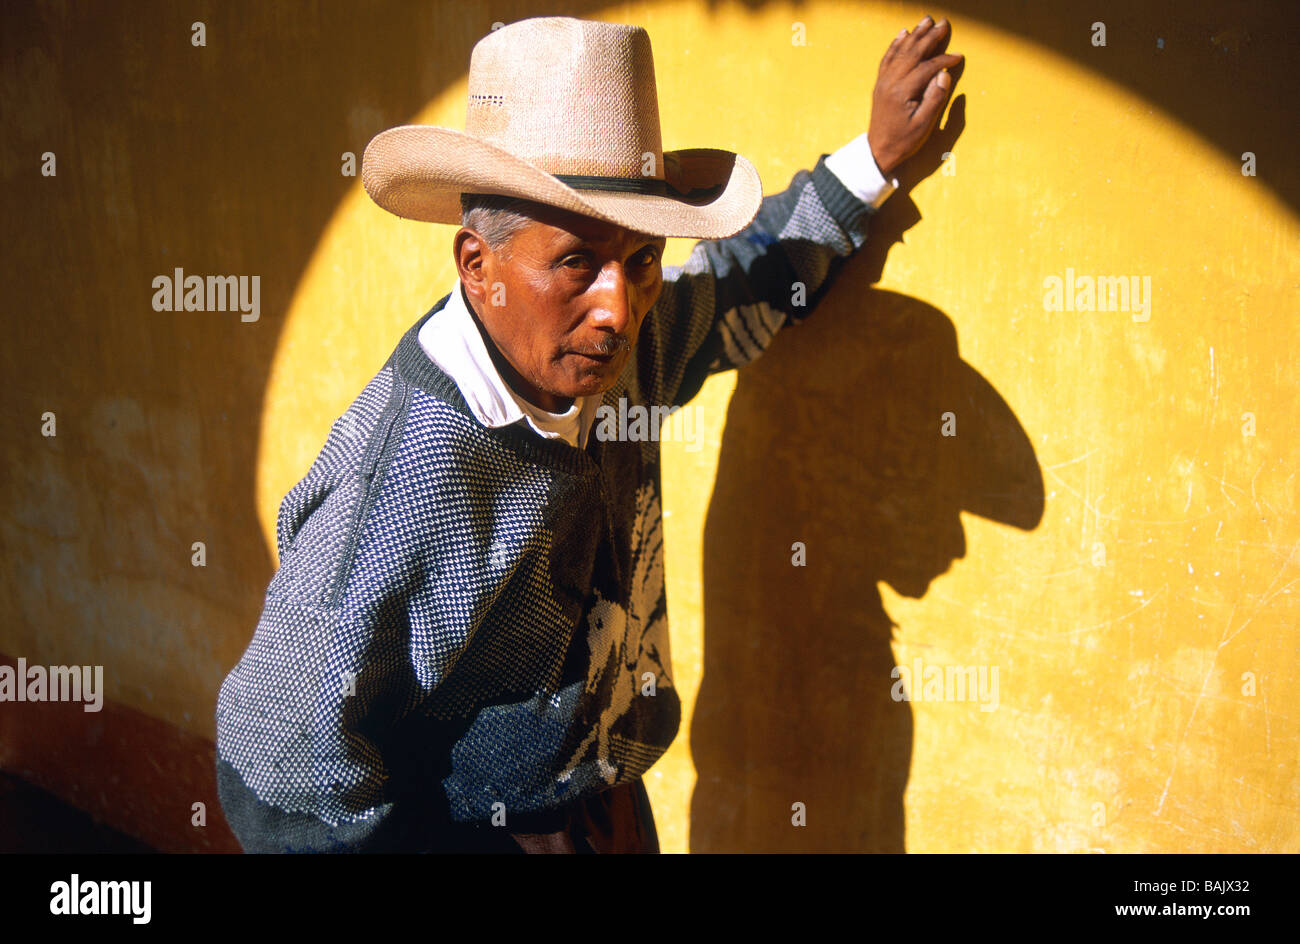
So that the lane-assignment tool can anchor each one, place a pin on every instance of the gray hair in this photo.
(495, 217)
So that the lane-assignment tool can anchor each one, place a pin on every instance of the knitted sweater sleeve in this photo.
(721, 309)
(302, 764)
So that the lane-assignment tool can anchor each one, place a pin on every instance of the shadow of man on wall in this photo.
(850, 448)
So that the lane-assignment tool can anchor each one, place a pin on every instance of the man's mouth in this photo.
(599, 358)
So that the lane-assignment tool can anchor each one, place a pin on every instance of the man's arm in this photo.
(304, 721)
(722, 308)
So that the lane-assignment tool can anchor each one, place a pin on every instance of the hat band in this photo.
(647, 185)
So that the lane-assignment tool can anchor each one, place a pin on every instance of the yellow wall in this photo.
(1122, 615)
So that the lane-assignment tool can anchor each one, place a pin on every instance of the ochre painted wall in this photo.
(1102, 531)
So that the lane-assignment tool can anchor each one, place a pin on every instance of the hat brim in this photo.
(418, 172)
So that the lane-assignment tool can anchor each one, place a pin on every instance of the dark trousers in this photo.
(617, 820)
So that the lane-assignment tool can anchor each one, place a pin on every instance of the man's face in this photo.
(563, 300)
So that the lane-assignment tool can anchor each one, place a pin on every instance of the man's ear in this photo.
(473, 262)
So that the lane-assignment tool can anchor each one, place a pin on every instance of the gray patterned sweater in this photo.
(469, 621)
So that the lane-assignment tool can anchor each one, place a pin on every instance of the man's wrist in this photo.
(886, 163)
(856, 167)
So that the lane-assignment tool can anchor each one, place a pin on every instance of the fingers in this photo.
(948, 60)
(925, 38)
(911, 86)
(893, 49)
(932, 101)
(903, 41)
(920, 31)
(928, 40)
(923, 74)
(937, 37)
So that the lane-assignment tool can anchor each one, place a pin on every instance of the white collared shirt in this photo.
(453, 342)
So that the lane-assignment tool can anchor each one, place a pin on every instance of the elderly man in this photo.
(465, 646)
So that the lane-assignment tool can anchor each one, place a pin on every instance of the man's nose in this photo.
(614, 309)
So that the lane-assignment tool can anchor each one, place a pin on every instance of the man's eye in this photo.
(574, 261)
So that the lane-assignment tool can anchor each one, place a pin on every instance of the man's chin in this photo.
(594, 387)
(595, 379)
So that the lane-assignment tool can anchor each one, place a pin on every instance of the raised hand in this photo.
(912, 87)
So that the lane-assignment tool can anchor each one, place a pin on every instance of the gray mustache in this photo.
(612, 344)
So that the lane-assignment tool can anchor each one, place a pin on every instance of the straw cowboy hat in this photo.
(564, 112)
